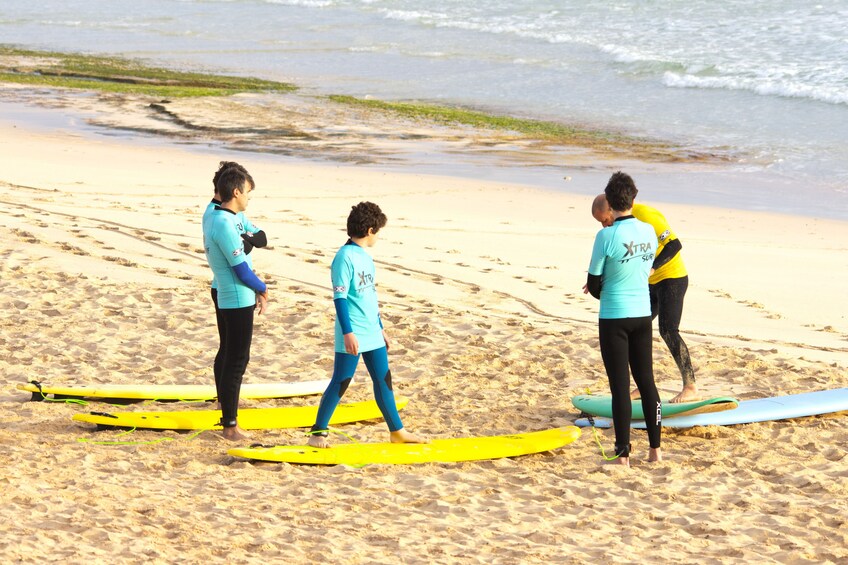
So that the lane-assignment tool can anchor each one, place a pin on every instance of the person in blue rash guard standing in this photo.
(358, 328)
(240, 291)
(618, 275)
(251, 235)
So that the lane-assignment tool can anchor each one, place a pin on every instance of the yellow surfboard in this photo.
(248, 418)
(171, 392)
(437, 451)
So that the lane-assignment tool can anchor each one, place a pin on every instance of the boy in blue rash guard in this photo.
(618, 275)
(358, 328)
(239, 292)
(251, 235)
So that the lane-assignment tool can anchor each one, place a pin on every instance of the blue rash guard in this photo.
(243, 225)
(353, 276)
(357, 311)
(237, 285)
(623, 254)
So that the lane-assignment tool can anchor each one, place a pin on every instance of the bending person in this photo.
(668, 283)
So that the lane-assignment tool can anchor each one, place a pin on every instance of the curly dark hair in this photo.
(363, 216)
(620, 191)
(231, 179)
(223, 166)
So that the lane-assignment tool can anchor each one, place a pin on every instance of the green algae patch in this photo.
(114, 74)
(546, 132)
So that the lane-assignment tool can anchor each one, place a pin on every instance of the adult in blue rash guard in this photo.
(240, 292)
(618, 275)
(358, 328)
(252, 236)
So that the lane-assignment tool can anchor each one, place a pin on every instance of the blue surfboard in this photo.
(750, 411)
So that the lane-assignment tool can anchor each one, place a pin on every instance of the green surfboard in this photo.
(600, 405)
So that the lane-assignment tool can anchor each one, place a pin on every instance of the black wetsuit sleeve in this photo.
(671, 249)
(593, 283)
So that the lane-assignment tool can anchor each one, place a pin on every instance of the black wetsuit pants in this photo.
(667, 303)
(626, 346)
(235, 331)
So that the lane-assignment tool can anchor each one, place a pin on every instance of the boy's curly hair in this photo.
(363, 216)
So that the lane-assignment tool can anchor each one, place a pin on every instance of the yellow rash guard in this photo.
(674, 269)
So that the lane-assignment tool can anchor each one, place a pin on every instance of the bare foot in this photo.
(655, 454)
(319, 441)
(235, 433)
(634, 394)
(403, 436)
(689, 393)
(619, 461)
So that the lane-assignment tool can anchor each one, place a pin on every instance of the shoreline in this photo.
(366, 140)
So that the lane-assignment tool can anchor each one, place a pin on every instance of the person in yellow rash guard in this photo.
(668, 283)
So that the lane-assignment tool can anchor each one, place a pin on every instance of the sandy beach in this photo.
(104, 280)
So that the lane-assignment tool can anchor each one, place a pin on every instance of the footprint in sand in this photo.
(720, 293)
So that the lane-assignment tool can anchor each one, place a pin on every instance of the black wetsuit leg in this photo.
(238, 334)
(625, 344)
(219, 356)
(642, 368)
(667, 302)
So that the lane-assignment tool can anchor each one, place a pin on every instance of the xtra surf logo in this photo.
(634, 250)
(365, 279)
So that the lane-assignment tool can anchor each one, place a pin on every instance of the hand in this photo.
(386, 339)
(585, 289)
(262, 302)
(351, 344)
(651, 272)
(247, 243)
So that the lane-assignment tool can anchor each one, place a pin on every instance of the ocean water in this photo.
(766, 81)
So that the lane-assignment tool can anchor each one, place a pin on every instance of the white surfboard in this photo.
(750, 411)
(145, 391)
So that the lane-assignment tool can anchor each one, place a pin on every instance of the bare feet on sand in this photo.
(654, 455)
(235, 433)
(403, 436)
(689, 393)
(619, 461)
(319, 441)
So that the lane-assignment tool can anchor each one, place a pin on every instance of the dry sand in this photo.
(104, 281)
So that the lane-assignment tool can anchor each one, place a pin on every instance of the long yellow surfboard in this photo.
(437, 451)
(248, 418)
(171, 392)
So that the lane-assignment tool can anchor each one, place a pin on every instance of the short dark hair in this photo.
(620, 191)
(223, 166)
(363, 216)
(229, 180)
